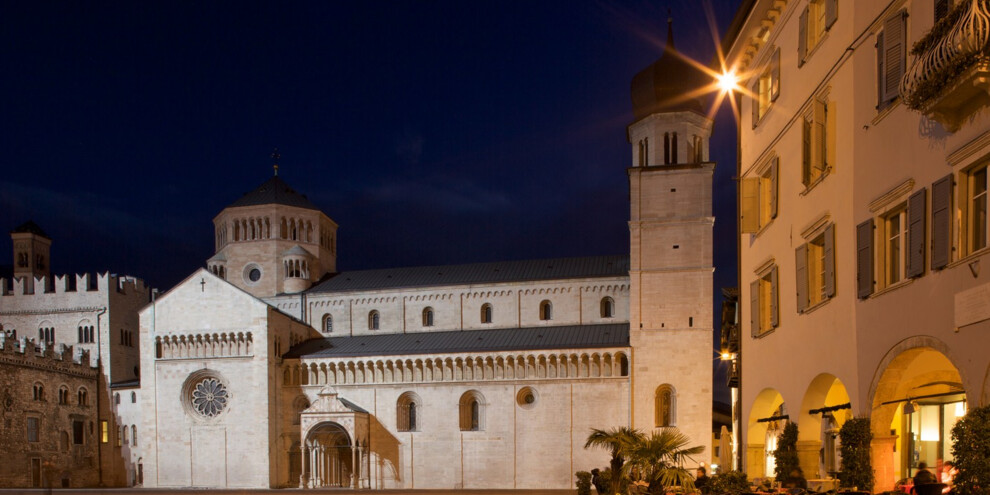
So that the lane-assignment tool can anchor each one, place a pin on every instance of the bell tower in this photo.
(670, 235)
(32, 248)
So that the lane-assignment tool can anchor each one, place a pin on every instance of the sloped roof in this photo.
(29, 227)
(274, 191)
(505, 339)
(477, 273)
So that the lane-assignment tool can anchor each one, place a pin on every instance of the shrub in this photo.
(971, 449)
(583, 483)
(856, 470)
(786, 453)
(729, 482)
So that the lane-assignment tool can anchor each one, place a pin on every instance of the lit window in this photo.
(546, 310)
(818, 146)
(898, 231)
(766, 87)
(664, 406)
(763, 301)
(758, 204)
(976, 214)
(104, 432)
(894, 236)
(373, 320)
(428, 317)
(816, 19)
(815, 269)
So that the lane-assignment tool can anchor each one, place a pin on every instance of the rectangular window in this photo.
(816, 19)
(818, 142)
(976, 216)
(764, 315)
(104, 432)
(891, 59)
(759, 198)
(894, 235)
(815, 269)
(77, 432)
(33, 429)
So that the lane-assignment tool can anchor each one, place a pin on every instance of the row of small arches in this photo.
(606, 310)
(203, 345)
(82, 394)
(670, 140)
(510, 367)
(260, 228)
(296, 268)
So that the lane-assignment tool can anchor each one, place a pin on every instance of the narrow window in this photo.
(486, 313)
(81, 395)
(33, 429)
(546, 311)
(39, 392)
(428, 317)
(977, 217)
(104, 431)
(406, 410)
(77, 432)
(133, 434)
(328, 324)
(607, 307)
(666, 148)
(673, 148)
(664, 406)
(116, 398)
(373, 322)
(472, 411)
(133, 397)
(895, 235)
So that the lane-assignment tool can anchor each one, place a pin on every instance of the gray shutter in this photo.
(801, 272)
(941, 221)
(830, 261)
(881, 102)
(916, 234)
(864, 259)
(774, 167)
(831, 13)
(775, 75)
(754, 307)
(893, 55)
(803, 37)
(774, 307)
(805, 152)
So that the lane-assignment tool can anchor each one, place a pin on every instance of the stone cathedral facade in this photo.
(269, 368)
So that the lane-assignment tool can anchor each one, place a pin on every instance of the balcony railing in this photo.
(950, 76)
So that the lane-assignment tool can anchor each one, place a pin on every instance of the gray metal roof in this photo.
(274, 191)
(477, 273)
(505, 339)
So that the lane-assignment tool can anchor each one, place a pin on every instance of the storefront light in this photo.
(929, 424)
(960, 409)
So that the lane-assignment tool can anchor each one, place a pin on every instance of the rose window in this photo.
(209, 397)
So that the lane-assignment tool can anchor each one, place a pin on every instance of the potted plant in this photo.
(971, 449)
(856, 471)
(786, 454)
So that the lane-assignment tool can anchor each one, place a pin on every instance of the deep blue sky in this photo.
(433, 132)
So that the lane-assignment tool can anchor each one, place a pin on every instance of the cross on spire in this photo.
(275, 157)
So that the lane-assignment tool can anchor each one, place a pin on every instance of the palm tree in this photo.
(616, 441)
(660, 457)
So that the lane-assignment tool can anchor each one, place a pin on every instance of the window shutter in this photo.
(916, 235)
(755, 102)
(754, 307)
(893, 55)
(805, 152)
(831, 13)
(881, 102)
(801, 272)
(829, 142)
(864, 259)
(830, 261)
(774, 167)
(941, 221)
(818, 144)
(803, 37)
(749, 215)
(774, 311)
(775, 75)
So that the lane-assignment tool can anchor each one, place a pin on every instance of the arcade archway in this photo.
(824, 409)
(329, 457)
(766, 422)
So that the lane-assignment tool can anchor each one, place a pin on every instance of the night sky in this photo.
(433, 132)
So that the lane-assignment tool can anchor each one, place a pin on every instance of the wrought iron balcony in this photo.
(950, 76)
(732, 374)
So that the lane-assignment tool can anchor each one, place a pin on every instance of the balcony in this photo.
(950, 76)
(732, 374)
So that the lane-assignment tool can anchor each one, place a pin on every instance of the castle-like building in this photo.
(270, 368)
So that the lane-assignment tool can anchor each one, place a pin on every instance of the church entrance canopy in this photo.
(334, 435)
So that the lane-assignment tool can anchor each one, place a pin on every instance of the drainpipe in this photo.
(96, 390)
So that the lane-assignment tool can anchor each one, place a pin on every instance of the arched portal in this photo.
(818, 431)
(329, 456)
(918, 396)
(768, 404)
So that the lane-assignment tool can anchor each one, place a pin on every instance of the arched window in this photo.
(125, 432)
(427, 316)
(83, 399)
(472, 411)
(407, 409)
(664, 407)
(299, 405)
(133, 434)
(486, 313)
(373, 320)
(328, 323)
(546, 310)
(623, 365)
(607, 307)
(133, 397)
(39, 392)
(63, 395)
(116, 398)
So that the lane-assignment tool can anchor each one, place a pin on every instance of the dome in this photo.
(661, 86)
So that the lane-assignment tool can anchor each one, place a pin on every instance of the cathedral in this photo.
(268, 367)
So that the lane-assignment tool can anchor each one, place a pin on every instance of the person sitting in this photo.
(795, 482)
(923, 476)
(948, 476)
(701, 480)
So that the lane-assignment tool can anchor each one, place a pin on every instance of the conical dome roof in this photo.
(274, 191)
(662, 86)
